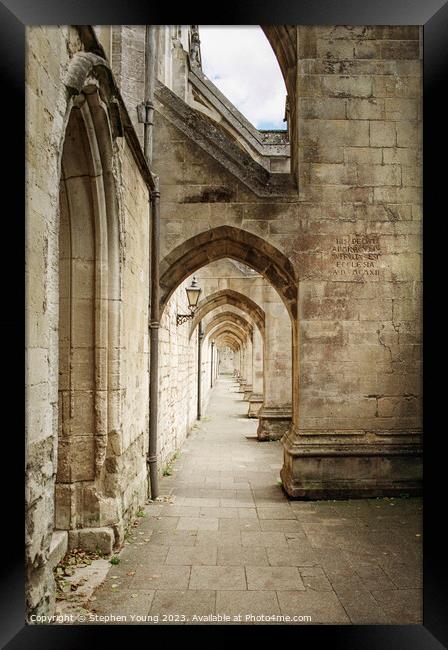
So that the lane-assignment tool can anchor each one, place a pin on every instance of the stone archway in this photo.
(229, 297)
(255, 252)
(226, 339)
(229, 322)
(225, 343)
(241, 245)
(251, 313)
(227, 318)
(240, 335)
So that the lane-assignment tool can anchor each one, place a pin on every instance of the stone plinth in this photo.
(247, 392)
(322, 467)
(255, 404)
(274, 423)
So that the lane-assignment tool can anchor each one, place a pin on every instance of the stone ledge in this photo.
(352, 443)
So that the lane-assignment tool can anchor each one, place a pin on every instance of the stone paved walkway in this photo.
(232, 543)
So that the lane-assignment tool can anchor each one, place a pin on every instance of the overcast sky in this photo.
(242, 64)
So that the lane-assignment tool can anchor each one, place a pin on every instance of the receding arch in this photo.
(227, 341)
(232, 329)
(229, 297)
(229, 328)
(229, 317)
(229, 337)
(241, 245)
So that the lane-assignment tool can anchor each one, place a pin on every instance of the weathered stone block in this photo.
(379, 175)
(402, 109)
(353, 86)
(333, 174)
(333, 108)
(365, 109)
(364, 155)
(273, 423)
(400, 49)
(408, 134)
(58, 547)
(382, 134)
(92, 539)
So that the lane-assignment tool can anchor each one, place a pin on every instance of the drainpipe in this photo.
(146, 115)
(200, 338)
(154, 344)
(211, 362)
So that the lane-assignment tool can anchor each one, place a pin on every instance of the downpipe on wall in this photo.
(154, 345)
(200, 339)
(146, 115)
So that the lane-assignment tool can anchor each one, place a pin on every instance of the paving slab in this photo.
(320, 606)
(218, 577)
(175, 607)
(189, 555)
(247, 604)
(158, 576)
(261, 578)
(242, 556)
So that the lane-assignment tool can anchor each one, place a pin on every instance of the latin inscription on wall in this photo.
(356, 256)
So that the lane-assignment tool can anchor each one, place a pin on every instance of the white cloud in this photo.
(242, 64)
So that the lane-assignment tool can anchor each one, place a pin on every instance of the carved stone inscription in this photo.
(356, 256)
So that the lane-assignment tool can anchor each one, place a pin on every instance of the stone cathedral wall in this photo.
(49, 50)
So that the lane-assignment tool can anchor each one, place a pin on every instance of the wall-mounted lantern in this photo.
(193, 293)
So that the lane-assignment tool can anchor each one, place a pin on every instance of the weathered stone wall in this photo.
(128, 66)
(113, 496)
(47, 57)
(129, 457)
(178, 377)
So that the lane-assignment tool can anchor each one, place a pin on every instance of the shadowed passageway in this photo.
(226, 540)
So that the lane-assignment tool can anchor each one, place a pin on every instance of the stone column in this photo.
(275, 414)
(357, 431)
(256, 398)
(248, 370)
(242, 375)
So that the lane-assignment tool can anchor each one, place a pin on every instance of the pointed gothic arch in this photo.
(241, 245)
(229, 297)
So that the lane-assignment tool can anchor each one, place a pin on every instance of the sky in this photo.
(242, 64)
